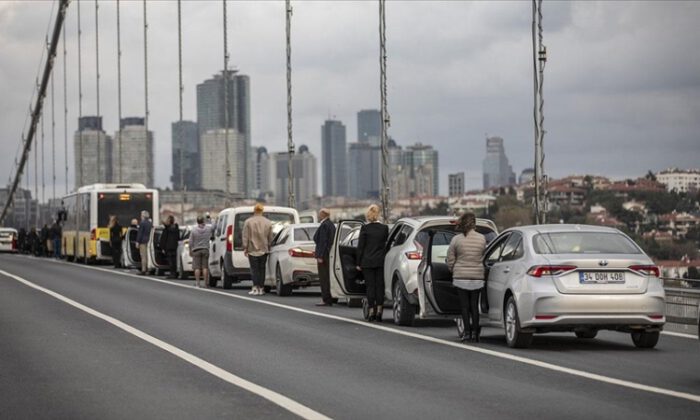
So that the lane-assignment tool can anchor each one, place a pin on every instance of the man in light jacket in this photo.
(257, 236)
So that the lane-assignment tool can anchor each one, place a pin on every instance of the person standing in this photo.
(44, 244)
(257, 236)
(142, 237)
(371, 250)
(56, 236)
(115, 240)
(199, 250)
(169, 241)
(464, 261)
(324, 240)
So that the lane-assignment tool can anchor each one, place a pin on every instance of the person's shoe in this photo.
(378, 317)
(467, 336)
(253, 292)
(324, 304)
(477, 334)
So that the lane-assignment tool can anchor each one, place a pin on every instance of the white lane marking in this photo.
(494, 353)
(272, 396)
(682, 335)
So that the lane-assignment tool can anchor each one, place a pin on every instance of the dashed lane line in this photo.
(502, 355)
(272, 396)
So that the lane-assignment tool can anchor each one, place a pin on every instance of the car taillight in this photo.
(549, 270)
(414, 255)
(93, 234)
(648, 270)
(229, 238)
(300, 253)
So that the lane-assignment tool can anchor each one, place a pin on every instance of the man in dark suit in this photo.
(324, 241)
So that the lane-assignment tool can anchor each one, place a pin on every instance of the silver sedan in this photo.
(551, 278)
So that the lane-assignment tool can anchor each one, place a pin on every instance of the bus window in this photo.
(125, 206)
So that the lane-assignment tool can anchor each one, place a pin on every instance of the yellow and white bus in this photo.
(85, 231)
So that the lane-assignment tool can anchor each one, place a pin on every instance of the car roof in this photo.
(249, 209)
(564, 228)
(305, 225)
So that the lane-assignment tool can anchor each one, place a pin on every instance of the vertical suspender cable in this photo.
(100, 178)
(226, 116)
(290, 140)
(43, 166)
(80, 102)
(145, 67)
(119, 91)
(53, 138)
(384, 112)
(36, 185)
(180, 91)
(539, 57)
(65, 109)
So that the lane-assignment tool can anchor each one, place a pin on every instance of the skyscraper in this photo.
(185, 150)
(213, 161)
(369, 126)
(364, 170)
(136, 152)
(419, 158)
(304, 177)
(456, 184)
(497, 170)
(334, 158)
(261, 172)
(211, 113)
(92, 152)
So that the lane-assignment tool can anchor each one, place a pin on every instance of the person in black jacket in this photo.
(168, 243)
(324, 240)
(115, 240)
(371, 250)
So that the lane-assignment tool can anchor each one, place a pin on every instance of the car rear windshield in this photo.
(583, 243)
(279, 221)
(304, 234)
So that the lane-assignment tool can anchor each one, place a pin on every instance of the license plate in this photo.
(601, 277)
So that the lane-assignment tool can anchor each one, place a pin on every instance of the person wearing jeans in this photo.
(142, 237)
(257, 236)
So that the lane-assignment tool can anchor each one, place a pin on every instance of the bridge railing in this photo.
(682, 300)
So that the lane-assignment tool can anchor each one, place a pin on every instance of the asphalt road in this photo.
(147, 348)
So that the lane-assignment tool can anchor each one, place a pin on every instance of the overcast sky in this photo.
(621, 90)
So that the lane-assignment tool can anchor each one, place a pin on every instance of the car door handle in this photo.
(506, 270)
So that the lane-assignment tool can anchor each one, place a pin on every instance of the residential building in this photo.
(480, 204)
(23, 211)
(304, 177)
(213, 161)
(334, 158)
(455, 184)
(369, 127)
(133, 156)
(497, 170)
(364, 170)
(92, 152)
(185, 155)
(211, 114)
(680, 180)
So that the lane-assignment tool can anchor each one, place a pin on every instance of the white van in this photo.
(226, 259)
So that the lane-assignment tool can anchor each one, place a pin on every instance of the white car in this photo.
(407, 240)
(131, 258)
(8, 240)
(184, 260)
(292, 260)
(226, 259)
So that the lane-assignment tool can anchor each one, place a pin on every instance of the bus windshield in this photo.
(125, 206)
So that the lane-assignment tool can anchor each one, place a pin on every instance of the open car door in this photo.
(130, 249)
(346, 281)
(435, 290)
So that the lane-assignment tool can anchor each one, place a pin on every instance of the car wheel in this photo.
(281, 288)
(404, 312)
(354, 302)
(645, 339)
(515, 338)
(213, 281)
(227, 280)
(160, 272)
(587, 334)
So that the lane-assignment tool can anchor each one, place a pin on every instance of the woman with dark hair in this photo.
(115, 240)
(464, 260)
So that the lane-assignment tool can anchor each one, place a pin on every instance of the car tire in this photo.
(227, 280)
(404, 313)
(354, 302)
(213, 281)
(281, 288)
(645, 339)
(515, 338)
(586, 334)
(160, 272)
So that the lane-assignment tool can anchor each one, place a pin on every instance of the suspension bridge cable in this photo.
(290, 139)
(43, 166)
(65, 109)
(100, 178)
(119, 90)
(539, 57)
(36, 185)
(226, 116)
(53, 138)
(80, 102)
(384, 112)
(180, 92)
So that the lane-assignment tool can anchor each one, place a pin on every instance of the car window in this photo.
(583, 243)
(218, 226)
(403, 235)
(276, 239)
(393, 234)
(440, 245)
(512, 248)
(304, 234)
(495, 253)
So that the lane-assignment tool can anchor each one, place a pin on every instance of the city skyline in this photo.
(589, 103)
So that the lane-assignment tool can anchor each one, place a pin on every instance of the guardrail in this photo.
(682, 300)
